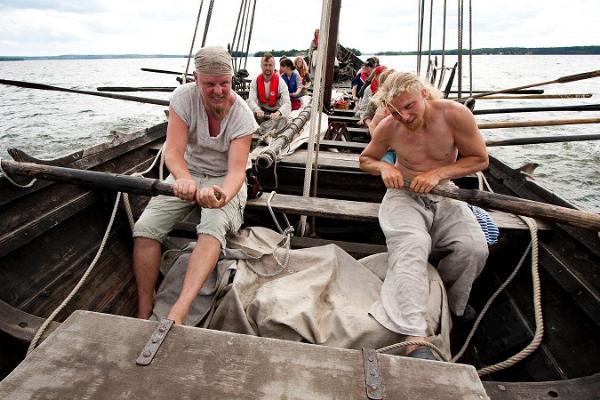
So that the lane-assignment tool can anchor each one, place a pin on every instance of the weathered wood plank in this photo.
(356, 210)
(93, 356)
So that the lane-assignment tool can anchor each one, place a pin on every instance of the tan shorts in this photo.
(162, 212)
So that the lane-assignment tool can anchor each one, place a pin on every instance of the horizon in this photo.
(166, 55)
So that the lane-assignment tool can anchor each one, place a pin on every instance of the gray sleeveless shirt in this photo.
(205, 154)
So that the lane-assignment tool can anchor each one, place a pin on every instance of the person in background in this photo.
(302, 69)
(208, 142)
(360, 78)
(269, 95)
(369, 90)
(427, 133)
(313, 51)
(293, 82)
(280, 60)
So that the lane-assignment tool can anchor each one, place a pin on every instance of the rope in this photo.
(459, 30)
(129, 213)
(250, 34)
(189, 58)
(9, 179)
(537, 305)
(489, 303)
(470, 49)
(420, 17)
(400, 345)
(58, 309)
(539, 320)
(429, 63)
(207, 23)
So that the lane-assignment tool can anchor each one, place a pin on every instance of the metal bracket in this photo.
(153, 344)
(373, 381)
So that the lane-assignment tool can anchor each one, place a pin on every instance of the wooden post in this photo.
(331, 51)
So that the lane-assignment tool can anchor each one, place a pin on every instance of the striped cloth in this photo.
(488, 226)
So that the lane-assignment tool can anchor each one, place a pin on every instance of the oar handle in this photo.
(578, 77)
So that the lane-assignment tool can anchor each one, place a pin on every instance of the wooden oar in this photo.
(135, 89)
(31, 85)
(539, 96)
(547, 122)
(585, 107)
(525, 91)
(541, 140)
(563, 79)
(153, 187)
(163, 71)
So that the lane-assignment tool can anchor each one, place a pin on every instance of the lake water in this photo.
(50, 124)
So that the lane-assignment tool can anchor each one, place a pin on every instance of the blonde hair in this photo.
(303, 68)
(401, 82)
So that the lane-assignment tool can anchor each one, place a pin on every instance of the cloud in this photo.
(50, 27)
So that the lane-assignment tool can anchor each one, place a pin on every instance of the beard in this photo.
(415, 124)
(217, 106)
(217, 110)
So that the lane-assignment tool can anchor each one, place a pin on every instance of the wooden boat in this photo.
(51, 232)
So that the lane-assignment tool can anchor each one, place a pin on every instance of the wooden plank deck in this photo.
(92, 356)
(359, 211)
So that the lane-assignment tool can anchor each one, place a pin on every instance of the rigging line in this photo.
(250, 34)
(189, 58)
(242, 25)
(207, 23)
(245, 35)
(233, 57)
(420, 34)
(429, 65)
(470, 49)
(460, 46)
(443, 67)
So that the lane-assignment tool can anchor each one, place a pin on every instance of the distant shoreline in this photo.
(572, 50)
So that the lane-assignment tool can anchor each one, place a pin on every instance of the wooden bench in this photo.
(358, 211)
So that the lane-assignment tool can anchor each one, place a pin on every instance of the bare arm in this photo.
(370, 157)
(177, 138)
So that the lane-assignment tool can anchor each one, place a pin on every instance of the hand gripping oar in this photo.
(563, 79)
(31, 85)
(153, 187)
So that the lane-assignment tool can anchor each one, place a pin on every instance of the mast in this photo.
(334, 23)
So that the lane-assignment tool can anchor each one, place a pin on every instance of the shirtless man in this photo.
(427, 134)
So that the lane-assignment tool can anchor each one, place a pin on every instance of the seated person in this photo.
(269, 96)
(208, 142)
(427, 133)
(359, 79)
(293, 81)
(370, 89)
(302, 69)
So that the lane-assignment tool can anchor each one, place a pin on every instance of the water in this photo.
(51, 124)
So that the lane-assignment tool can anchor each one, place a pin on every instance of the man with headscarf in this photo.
(207, 152)
(269, 95)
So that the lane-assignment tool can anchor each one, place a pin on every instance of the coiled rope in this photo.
(537, 300)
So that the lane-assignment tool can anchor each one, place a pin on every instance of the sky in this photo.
(57, 27)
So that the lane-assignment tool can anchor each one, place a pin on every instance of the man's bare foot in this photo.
(145, 308)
